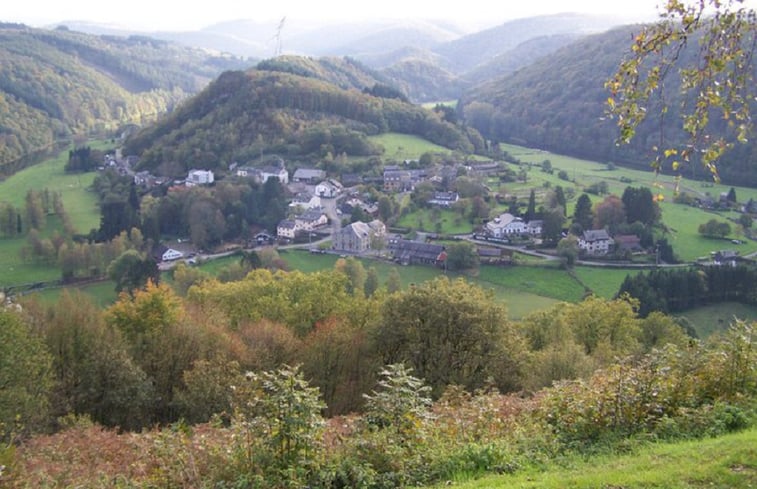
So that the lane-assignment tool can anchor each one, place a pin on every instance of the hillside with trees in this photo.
(55, 84)
(558, 103)
(242, 115)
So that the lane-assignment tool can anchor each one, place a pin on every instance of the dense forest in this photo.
(558, 103)
(231, 383)
(55, 84)
(242, 115)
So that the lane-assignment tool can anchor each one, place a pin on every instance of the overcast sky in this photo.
(192, 14)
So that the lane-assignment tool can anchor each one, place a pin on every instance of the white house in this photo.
(200, 177)
(305, 201)
(310, 220)
(286, 229)
(534, 227)
(164, 253)
(273, 171)
(328, 189)
(505, 225)
(595, 242)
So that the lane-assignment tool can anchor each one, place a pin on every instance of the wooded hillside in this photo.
(558, 104)
(59, 83)
(244, 114)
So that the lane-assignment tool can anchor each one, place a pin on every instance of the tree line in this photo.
(670, 291)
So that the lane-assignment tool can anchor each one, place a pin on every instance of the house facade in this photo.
(506, 225)
(164, 253)
(200, 177)
(311, 220)
(286, 229)
(328, 189)
(357, 237)
(595, 242)
(444, 199)
(396, 180)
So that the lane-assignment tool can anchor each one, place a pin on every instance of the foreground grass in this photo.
(729, 461)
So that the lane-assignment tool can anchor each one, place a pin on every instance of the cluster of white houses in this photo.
(311, 185)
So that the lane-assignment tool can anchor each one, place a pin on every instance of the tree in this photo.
(385, 208)
(640, 206)
(393, 281)
(609, 213)
(583, 215)
(133, 270)
(531, 212)
(567, 250)
(731, 197)
(355, 272)
(552, 225)
(450, 332)
(558, 199)
(715, 229)
(161, 340)
(717, 83)
(371, 282)
(94, 373)
(462, 256)
(25, 367)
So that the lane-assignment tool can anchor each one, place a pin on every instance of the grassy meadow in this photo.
(400, 147)
(723, 462)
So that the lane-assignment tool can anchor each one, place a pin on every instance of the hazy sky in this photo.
(193, 14)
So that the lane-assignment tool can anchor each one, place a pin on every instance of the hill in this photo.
(429, 60)
(557, 103)
(58, 83)
(297, 111)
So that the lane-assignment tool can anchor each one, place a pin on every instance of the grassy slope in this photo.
(520, 300)
(79, 202)
(717, 317)
(401, 147)
(725, 462)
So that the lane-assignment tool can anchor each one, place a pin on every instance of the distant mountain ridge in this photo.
(428, 60)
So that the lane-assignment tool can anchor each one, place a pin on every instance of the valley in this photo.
(392, 254)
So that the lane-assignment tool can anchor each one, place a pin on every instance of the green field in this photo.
(400, 147)
(520, 299)
(103, 294)
(80, 203)
(717, 317)
(724, 462)
(602, 281)
(449, 221)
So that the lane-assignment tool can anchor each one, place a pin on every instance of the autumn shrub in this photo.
(277, 429)
(704, 389)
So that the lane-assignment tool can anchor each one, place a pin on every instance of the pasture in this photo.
(80, 203)
(400, 147)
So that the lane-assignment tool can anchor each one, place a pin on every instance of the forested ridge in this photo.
(558, 103)
(55, 84)
(289, 112)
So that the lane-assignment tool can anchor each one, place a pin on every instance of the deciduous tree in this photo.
(717, 83)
